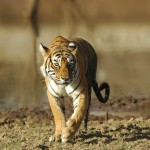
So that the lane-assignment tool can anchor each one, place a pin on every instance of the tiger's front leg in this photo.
(57, 108)
(80, 107)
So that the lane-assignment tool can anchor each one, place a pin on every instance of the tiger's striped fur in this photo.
(69, 69)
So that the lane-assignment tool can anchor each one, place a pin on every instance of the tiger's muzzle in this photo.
(65, 74)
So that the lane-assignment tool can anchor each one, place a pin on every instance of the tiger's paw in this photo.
(67, 134)
(55, 138)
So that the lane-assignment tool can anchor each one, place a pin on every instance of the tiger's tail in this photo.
(97, 89)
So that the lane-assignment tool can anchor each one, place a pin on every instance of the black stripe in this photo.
(75, 107)
(68, 55)
(48, 61)
(53, 73)
(78, 95)
(61, 107)
(57, 97)
(50, 71)
(46, 66)
(56, 92)
(77, 77)
(76, 86)
(54, 96)
(58, 51)
(55, 60)
(58, 55)
(77, 104)
(53, 89)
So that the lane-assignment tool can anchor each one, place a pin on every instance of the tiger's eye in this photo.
(56, 64)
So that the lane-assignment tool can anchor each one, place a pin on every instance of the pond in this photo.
(123, 51)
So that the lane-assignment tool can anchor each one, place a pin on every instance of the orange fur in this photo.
(69, 69)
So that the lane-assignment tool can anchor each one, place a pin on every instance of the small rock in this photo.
(140, 119)
(110, 120)
(131, 119)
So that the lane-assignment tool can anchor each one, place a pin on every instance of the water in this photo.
(123, 51)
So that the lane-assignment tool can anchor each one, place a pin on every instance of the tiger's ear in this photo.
(73, 47)
(44, 50)
(74, 52)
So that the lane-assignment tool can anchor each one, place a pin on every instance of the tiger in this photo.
(69, 70)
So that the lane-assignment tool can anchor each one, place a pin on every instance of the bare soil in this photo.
(125, 126)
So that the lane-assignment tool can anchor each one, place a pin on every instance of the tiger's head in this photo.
(59, 60)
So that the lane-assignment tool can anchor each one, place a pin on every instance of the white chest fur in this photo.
(57, 90)
(71, 90)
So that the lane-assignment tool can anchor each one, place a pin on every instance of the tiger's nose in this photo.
(65, 78)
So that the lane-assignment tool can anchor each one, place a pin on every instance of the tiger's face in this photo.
(60, 64)
(62, 68)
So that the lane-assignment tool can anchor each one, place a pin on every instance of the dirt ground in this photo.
(125, 126)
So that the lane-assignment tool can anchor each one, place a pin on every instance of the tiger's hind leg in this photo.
(87, 112)
(57, 108)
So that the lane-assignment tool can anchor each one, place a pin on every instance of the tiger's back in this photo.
(89, 57)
